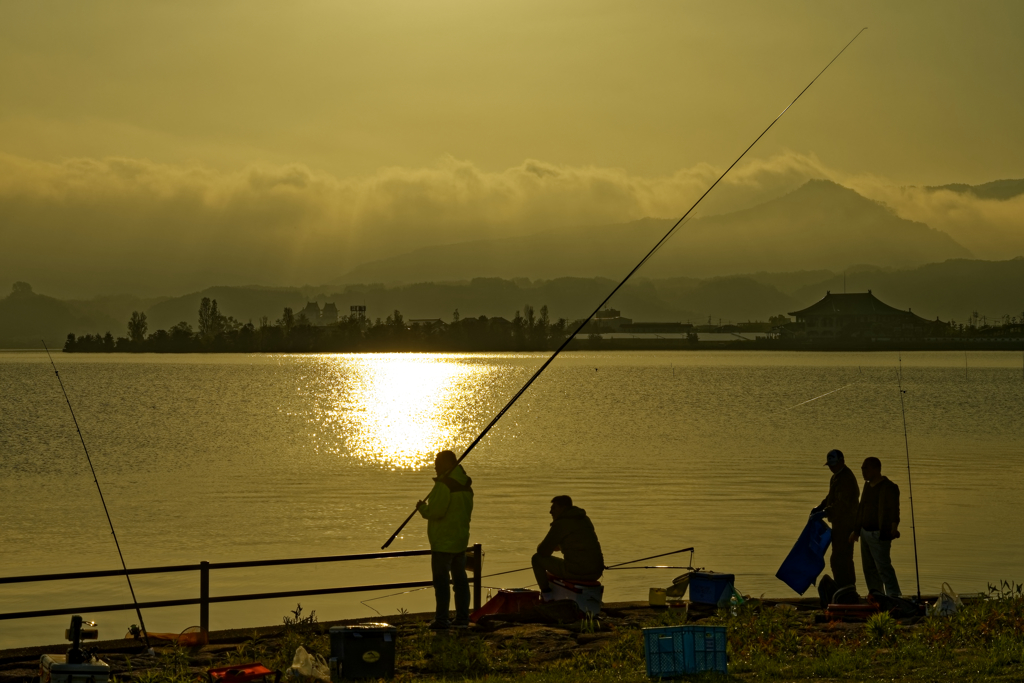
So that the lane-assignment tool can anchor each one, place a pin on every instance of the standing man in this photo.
(878, 517)
(448, 510)
(573, 533)
(840, 509)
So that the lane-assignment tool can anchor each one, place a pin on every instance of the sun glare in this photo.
(393, 409)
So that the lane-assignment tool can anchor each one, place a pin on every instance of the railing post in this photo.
(478, 562)
(204, 597)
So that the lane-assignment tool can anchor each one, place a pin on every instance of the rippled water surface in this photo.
(224, 458)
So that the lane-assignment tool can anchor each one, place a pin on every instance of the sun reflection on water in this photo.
(393, 409)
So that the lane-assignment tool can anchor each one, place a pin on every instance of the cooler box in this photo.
(362, 651)
(680, 650)
(55, 669)
(588, 595)
(707, 587)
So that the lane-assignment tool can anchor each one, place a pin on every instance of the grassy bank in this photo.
(983, 642)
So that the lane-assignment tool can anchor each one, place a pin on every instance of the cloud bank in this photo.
(88, 226)
(990, 228)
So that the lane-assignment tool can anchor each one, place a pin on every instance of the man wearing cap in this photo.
(840, 508)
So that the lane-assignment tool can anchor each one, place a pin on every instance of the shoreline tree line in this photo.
(529, 330)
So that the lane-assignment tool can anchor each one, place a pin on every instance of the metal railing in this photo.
(474, 563)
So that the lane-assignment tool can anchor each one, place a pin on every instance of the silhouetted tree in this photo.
(137, 327)
(205, 317)
(287, 320)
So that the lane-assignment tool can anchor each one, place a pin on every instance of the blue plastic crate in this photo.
(707, 587)
(679, 650)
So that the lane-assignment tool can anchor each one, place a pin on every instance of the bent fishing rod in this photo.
(138, 612)
(637, 267)
(910, 486)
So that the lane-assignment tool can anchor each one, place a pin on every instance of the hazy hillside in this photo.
(950, 290)
(243, 303)
(821, 225)
(26, 318)
(997, 189)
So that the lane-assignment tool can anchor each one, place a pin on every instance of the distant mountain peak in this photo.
(1000, 190)
(820, 225)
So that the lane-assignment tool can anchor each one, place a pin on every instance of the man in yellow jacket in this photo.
(447, 510)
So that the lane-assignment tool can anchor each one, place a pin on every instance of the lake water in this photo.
(224, 458)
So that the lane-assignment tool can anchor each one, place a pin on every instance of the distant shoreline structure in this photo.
(837, 322)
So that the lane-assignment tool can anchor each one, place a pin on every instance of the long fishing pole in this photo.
(637, 267)
(138, 612)
(621, 564)
(524, 569)
(910, 486)
(654, 557)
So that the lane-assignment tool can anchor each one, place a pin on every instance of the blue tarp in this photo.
(807, 558)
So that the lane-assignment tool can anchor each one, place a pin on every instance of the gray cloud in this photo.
(990, 228)
(85, 226)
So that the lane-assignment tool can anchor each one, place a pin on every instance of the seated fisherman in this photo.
(573, 533)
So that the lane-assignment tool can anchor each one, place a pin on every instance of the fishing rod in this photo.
(654, 557)
(910, 486)
(523, 569)
(637, 267)
(138, 612)
(621, 564)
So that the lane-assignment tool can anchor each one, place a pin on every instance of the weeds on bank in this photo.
(173, 667)
(983, 641)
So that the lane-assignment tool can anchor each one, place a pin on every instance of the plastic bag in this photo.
(948, 603)
(306, 665)
(806, 560)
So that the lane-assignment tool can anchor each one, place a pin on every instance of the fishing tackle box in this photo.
(362, 651)
(707, 588)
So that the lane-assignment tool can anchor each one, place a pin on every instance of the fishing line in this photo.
(910, 486)
(817, 397)
(637, 267)
(138, 612)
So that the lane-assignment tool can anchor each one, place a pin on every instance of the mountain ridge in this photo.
(782, 234)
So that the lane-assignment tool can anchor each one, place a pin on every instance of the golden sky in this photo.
(148, 105)
(932, 93)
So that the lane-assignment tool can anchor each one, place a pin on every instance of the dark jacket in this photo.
(448, 510)
(887, 512)
(840, 505)
(573, 532)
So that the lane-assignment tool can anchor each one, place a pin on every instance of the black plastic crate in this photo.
(362, 651)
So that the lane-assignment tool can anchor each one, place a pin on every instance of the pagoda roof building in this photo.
(860, 314)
